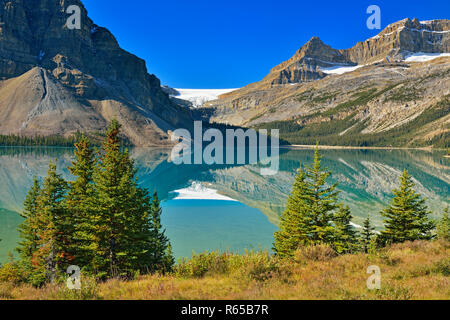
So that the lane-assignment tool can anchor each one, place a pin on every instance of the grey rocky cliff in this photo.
(91, 68)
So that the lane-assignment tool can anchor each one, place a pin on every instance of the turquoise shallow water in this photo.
(199, 225)
(365, 177)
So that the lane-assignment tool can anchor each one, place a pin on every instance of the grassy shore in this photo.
(413, 270)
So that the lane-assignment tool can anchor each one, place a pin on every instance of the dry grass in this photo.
(414, 270)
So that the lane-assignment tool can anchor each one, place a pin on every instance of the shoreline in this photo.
(326, 147)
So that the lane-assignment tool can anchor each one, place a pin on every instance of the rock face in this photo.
(56, 80)
(394, 43)
(399, 39)
(372, 89)
(302, 67)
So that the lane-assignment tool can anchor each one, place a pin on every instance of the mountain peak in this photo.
(315, 40)
(395, 42)
(88, 65)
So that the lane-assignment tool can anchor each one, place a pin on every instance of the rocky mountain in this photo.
(394, 43)
(56, 81)
(392, 89)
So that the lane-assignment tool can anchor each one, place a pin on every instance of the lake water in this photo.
(246, 214)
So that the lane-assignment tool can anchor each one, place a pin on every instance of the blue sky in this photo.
(229, 44)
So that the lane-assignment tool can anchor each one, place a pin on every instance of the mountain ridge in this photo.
(394, 43)
(360, 94)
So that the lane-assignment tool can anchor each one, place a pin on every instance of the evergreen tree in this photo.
(345, 237)
(102, 221)
(80, 201)
(125, 232)
(308, 217)
(53, 224)
(112, 206)
(406, 218)
(169, 260)
(443, 227)
(161, 249)
(28, 230)
(367, 234)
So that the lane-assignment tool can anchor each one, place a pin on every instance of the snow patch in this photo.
(199, 192)
(199, 96)
(339, 69)
(423, 57)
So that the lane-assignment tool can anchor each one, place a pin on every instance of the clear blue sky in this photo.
(231, 43)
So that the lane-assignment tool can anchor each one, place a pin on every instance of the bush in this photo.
(201, 264)
(321, 252)
(260, 266)
(12, 273)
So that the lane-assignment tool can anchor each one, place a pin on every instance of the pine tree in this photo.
(367, 234)
(80, 201)
(406, 218)
(53, 223)
(443, 227)
(344, 239)
(308, 217)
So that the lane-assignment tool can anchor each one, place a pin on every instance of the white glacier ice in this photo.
(199, 96)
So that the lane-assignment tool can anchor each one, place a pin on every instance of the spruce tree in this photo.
(309, 214)
(406, 218)
(102, 221)
(367, 234)
(28, 230)
(443, 226)
(112, 207)
(125, 232)
(161, 249)
(169, 260)
(80, 201)
(345, 236)
(53, 225)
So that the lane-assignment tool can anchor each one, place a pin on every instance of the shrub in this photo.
(260, 266)
(201, 264)
(12, 273)
(321, 252)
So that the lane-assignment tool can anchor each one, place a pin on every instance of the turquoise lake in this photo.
(365, 177)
